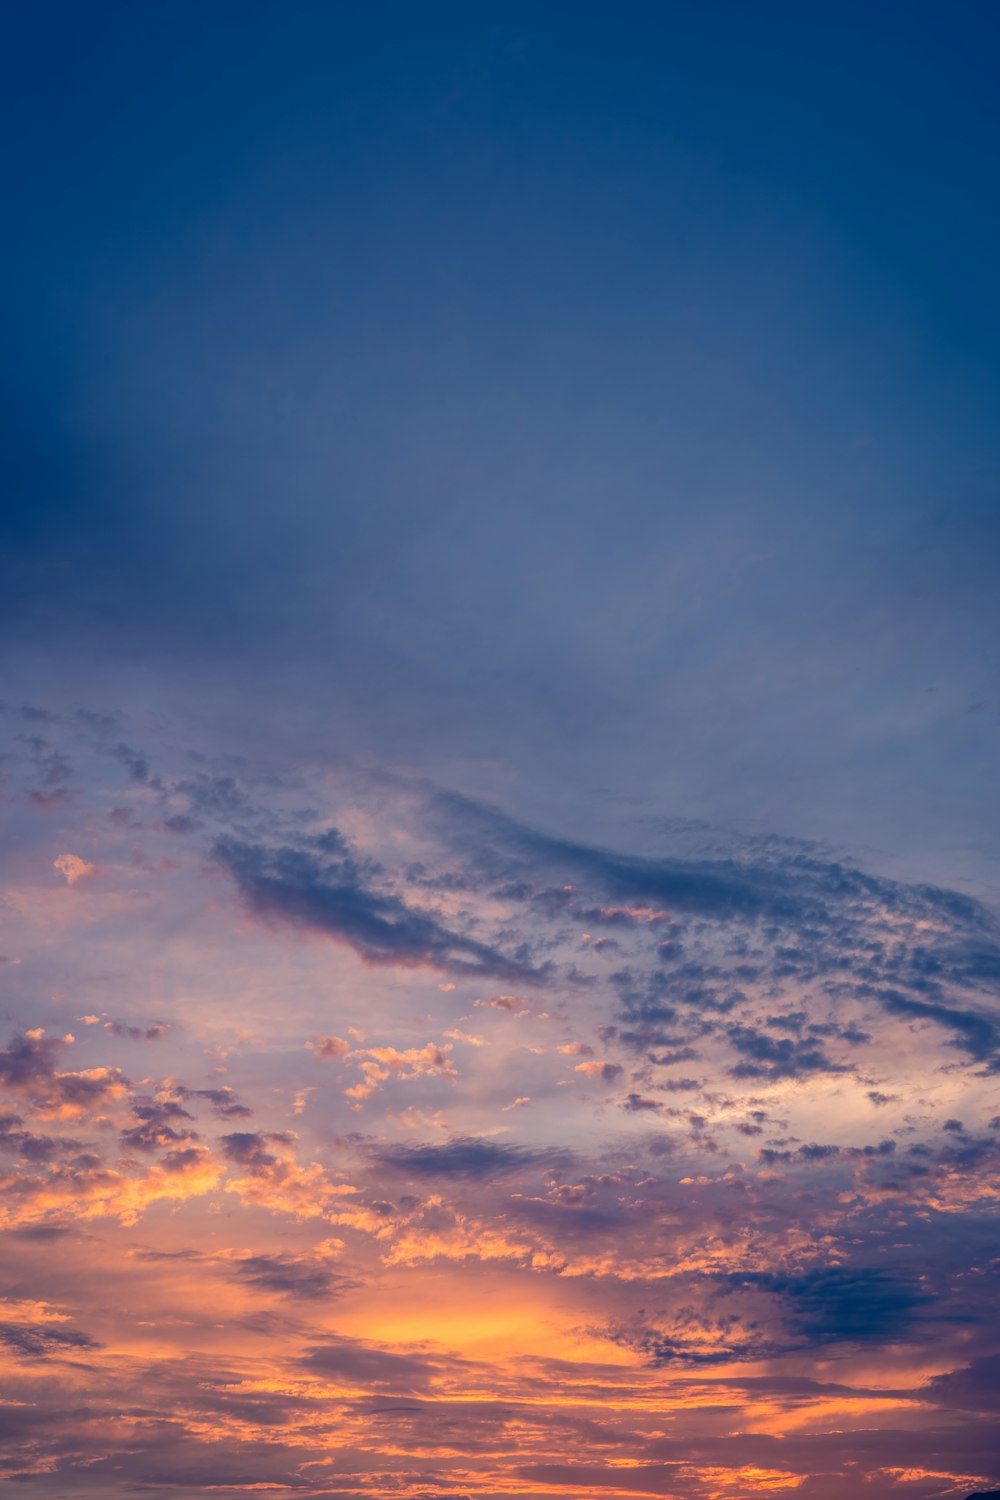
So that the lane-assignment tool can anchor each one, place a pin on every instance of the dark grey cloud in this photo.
(973, 1032)
(798, 893)
(643, 1478)
(352, 1361)
(42, 1233)
(28, 1060)
(844, 1304)
(721, 888)
(813, 1152)
(249, 1149)
(43, 1340)
(773, 914)
(636, 1104)
(135, 763)
(32, 1147)
(776, 1057)
(224, 1103)
(151, 1033)
(471, 1157)
(52, 770)
(974, 1387)
(326, 891)
(748, 1317)
(159, 1126)
(305, 1277)
(292, 1276)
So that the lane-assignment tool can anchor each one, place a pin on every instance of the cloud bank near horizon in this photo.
(519, 1145)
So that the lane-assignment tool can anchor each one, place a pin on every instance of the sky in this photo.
(499, 649)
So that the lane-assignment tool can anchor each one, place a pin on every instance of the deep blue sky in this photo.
(608, 395)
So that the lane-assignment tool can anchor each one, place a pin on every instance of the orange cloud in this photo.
(74, 868)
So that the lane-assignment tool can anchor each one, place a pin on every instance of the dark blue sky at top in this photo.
(609, 392)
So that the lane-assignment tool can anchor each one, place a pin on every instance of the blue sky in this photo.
(613, 393)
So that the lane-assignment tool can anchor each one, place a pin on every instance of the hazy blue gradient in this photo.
(610, 395)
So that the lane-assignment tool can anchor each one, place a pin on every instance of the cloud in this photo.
(224, 1103)
(635, 1104)
(514, 1005)
(975, 1033)
(87, 1188)
(688, 1239)
(151, 1033)
(327, 892)
(468, 1157)
(378, 1064)
(606, 1071)
(255, 1151)
(327, 1047)
(134, 762)
(32, 1147)
(974, 1387)
(353, 1362)
(308, 1278)
(157, 1126)
(774, 1057)
(719, 888)
(844, 1304)
(73, 868)
(42, 1340)
(805, 918)
(28, 1067)
(274, 1178)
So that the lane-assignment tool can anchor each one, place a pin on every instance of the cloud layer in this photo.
(435, 1149)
